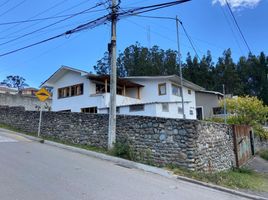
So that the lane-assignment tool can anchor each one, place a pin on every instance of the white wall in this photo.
(149, 110)
(74, 103)
(149, 93)
(155, 110)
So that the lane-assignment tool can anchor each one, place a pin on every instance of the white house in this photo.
(79, 91)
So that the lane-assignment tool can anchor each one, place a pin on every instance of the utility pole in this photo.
(180, 67)
(224, 102)
(112, 109)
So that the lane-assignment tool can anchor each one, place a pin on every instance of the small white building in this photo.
(79, 91)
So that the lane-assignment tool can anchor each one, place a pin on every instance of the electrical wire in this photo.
(40, 13)
(4, 3)
(232, 30)
(183, 27)
(12, 8)
(93, 24)
(238, 27)
(46, 18)
(97, 22)
(190, 39)
(24, 28)
(57, 22)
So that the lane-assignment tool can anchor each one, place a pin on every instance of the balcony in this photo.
(104, 100)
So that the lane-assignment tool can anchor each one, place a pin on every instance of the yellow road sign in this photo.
(42, 94)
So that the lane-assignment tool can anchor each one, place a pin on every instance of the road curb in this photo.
(135, 165)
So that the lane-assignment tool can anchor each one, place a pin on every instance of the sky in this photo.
(208, 22)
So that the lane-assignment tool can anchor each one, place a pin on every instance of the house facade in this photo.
(208, 104)
(160, 96)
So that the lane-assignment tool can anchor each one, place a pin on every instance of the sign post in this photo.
(42, 95)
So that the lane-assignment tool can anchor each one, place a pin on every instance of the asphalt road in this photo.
(34, 171)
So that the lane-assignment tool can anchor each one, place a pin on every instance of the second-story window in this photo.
(176, 90)
(70, 91)
(162, 89)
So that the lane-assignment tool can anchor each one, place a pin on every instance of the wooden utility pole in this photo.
(112, 109)
(180, 67)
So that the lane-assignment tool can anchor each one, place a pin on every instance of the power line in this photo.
(69, 32)
(70, 8)
(40, 13)
(4, 3)
(98, 22)
(232, 31)
(46, 18)
(168, 28)
(190, 40)
(57, 22)
(184, 29)
(12, 8)
(238, 27)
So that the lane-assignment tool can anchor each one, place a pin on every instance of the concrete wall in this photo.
(28, 102)
(207, 102)
(192, 144)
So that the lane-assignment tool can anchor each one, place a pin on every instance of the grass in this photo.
(264, 154)
(235, 179)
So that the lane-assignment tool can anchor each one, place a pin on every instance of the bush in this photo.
(264, 154)
(122, 149)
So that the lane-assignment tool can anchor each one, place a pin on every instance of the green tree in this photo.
(249, 111)
(14, 82)
(226, 73)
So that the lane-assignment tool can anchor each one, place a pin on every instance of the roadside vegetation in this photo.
(264, 154)
(246, 111)
(234, 179)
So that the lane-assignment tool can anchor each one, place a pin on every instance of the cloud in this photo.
(238, 4)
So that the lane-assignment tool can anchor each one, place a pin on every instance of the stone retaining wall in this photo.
(192, 144)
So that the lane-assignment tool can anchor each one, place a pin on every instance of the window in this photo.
(135, 108)
(100, 88)
(191, 112)
(89, 110)
(189, 91)
(180, 110)
(165, 107)
(217, 111)
(162, 89)
(176, 90)
(70, 91)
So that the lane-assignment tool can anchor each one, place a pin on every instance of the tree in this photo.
(14, 82)
(226, 73)
(247, 110)
(141, 61)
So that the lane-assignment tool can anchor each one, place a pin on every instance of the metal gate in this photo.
(243, 144)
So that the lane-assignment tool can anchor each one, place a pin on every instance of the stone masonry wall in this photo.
(192, 144)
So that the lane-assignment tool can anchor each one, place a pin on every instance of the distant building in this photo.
(25, 98)
(159, 96)
(7, 90)
(28, 91)
(207, 104)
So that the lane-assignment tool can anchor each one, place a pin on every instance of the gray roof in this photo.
(211, 92)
